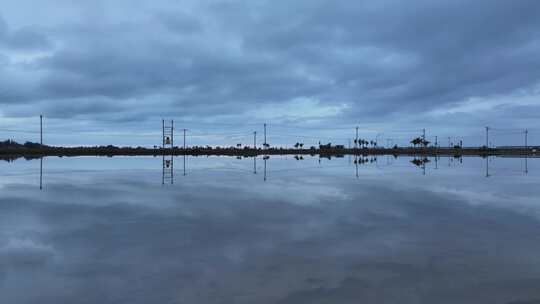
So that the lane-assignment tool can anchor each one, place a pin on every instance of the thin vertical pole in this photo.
(487, 166)
(185, 139)
(264, 169)
(356, 164)
(487, 137)
(255, 140)
(172, 135)
(41, 173)
(356, 144)
(265, 135)
(163, 134)
(526, 144)
(41, 130)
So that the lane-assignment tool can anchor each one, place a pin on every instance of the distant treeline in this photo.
(11, 148)
(10, 144)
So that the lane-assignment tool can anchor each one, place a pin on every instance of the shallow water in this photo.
(227, 230)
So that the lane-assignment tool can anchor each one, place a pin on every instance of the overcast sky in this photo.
(108, 71)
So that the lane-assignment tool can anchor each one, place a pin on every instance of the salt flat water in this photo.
(369, 229)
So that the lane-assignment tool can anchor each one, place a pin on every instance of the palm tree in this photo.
(416, 141)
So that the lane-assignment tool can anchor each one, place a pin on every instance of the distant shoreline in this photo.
(250, 152)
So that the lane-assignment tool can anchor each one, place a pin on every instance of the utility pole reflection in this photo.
(356, 164)
(184, 165)
(265, 158)
(487, 166)
(41, 173)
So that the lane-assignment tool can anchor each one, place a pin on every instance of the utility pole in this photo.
(487, 137)
(184, 138)
(436, 141)
(255, 140)
(163, 134)
(449, 143)
(265, 135)
(172, 135)
(526, 133)
(356, 143)
(41, 130)
(377, 139)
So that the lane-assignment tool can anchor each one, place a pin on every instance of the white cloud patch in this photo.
(301, 108)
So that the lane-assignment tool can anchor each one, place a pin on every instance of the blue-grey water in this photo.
(281, 230)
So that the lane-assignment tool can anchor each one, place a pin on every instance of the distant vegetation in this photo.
(10, 148)
(10, 144)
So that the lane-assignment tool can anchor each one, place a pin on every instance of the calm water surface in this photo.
(225, 230)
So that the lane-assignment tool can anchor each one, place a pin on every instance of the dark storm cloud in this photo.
(381, 59)
(410, 55)
(26, 38)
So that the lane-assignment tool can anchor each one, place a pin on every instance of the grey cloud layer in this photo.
(25, 38)
(381, 58)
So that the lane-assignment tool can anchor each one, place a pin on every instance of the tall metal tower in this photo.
(168, 151)
(168, 135)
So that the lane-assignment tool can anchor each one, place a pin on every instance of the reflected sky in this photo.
(109, 230)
